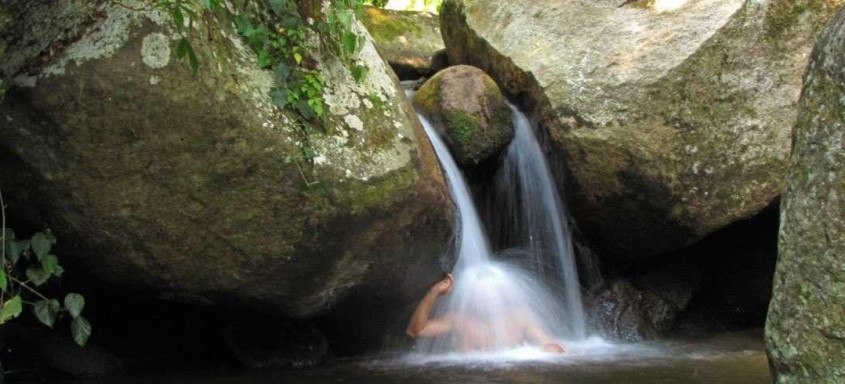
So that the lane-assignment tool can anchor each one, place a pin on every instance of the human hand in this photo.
(444, 286)
(553, 347)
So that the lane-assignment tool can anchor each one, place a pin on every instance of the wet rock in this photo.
(667, 123)
(466, 106)
(805, 328)
(409, 41)
(273, 343)
(624, 312)
(196, 188)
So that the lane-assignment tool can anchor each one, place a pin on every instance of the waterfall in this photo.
(533, 212)
(491, 297)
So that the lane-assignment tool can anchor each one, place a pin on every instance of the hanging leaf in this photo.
(282, 72)
(350, 41)
(182, 48)
(41, 244)
(243, 24)
(37, 275)
(280, 98)
(192, 59)
(80, 329)
(49, 264)
(263, 58)
(359, 72)
(10, 309)
(14, 249)
(212, 5)
(74, 303)
(278, 6)
(46, 311)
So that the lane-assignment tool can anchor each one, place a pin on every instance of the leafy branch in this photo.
(32, 258)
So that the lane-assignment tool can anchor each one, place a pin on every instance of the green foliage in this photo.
(80, 329)
(33, 258)
(283, 46)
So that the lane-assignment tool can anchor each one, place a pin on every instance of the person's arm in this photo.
(421, 324)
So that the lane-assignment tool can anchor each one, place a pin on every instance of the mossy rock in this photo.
(466, 106)
(195, 187)
(805, 327)
(409, 41)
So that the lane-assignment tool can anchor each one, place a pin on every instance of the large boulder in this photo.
(409, 41)
(465, 106)
(195, 186)
(805, 328)
(668, 120)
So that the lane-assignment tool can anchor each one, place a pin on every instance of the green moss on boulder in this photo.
(409, 41)
(465, 105)
(195, 187)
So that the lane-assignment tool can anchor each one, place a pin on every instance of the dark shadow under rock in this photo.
(47, 353)
(276, 343)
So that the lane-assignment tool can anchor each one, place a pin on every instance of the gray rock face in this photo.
(409, 41)
(805, 328)
(626, 313)
(667, 122)
(195, 186)
(466, 106)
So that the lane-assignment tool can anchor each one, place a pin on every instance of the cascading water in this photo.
(502, 304)
(532, 211)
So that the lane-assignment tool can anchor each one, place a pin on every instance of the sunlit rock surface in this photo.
(466, 106)
(668, 119)
(409, 41)
(195, 186)
(805, 328)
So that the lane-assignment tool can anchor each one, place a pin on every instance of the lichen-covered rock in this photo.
(624, 312)
(409, 41)
(467, 108)
(805, 328)
(669, 120)
(195, 186)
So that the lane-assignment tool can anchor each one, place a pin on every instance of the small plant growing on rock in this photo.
(27, 264)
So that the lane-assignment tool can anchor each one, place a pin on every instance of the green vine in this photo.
(283, 46)
(28, 264)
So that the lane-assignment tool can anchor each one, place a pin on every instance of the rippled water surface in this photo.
(727, 358)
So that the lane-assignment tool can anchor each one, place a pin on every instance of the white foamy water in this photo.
(528, 200)
(496, 306)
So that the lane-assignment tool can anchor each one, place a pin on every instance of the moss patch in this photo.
(782, 15)
(386, 26)
(462, 127)
(428, 96)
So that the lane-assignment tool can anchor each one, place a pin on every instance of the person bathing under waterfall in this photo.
(472, 332)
